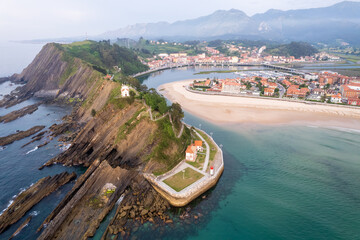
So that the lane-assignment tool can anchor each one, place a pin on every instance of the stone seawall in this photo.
(188, 194)
(180, 200)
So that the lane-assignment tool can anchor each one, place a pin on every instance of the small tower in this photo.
(212, 171)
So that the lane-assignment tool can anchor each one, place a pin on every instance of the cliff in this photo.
(53, 74)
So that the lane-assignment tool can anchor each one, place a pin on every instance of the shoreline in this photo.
(220, 109)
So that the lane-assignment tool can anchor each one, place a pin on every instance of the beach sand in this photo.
(227, 109)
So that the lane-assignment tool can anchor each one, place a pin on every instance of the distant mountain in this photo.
(339, 21)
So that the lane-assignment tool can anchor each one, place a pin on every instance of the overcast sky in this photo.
(33, 19)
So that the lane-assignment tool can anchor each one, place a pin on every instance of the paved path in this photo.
(207, 157)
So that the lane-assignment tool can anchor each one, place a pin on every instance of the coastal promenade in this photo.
(195, 189)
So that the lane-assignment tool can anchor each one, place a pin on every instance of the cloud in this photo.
(24, 19)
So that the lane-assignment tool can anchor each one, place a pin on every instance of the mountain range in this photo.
(339, 22)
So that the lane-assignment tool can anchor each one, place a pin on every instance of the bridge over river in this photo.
(229, 64)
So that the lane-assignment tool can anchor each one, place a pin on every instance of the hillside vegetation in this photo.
(103, 56)
(146, 49)
(296, 49)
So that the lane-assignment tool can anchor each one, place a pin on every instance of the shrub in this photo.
(93, 112)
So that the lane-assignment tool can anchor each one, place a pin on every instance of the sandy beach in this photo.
(228, 109)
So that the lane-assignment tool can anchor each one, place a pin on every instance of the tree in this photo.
(176, 113)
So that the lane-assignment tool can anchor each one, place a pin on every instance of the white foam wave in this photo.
(121, 198)
(32, 150)
(9, 204)
(12, 199)
(342, 129)
(65, 147)
(34, 213)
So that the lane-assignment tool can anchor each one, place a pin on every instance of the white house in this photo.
(125, 91)
(191, 153)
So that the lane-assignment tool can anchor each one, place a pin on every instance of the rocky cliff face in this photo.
(52, 74)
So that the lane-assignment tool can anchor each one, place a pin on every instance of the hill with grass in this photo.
(103, 56)
(296, 49)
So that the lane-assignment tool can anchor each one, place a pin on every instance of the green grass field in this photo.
(181, 180)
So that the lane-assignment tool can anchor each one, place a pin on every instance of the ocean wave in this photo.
(34, 213)
(65, 147)
(32, 150)
(2, 148)
(342, 129)
(121, 198)
(13, 197)
(9, 204)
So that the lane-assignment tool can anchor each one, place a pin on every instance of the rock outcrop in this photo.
(24, 224)
(99, 139)
(19, 113)
(141, 204)
(30, 197)
(20, 135)
(81, 215)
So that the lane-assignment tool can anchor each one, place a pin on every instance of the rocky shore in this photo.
(19, 113)
(141, 203)
(20, 135)
(81, 215)
(30, 197)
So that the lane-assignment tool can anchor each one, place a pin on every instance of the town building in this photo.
(336, 98)
(354, 101)
(191, 153)
(230, 87)
(199, 145)
(269, 92)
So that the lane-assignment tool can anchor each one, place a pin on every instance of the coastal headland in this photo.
(118, 130)
(236, 109)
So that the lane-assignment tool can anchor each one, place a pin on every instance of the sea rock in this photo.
(19, 135)
(30, 197)
(144, 212)
(123, 214)
(24, 224)
(86, 202)
(19, 113)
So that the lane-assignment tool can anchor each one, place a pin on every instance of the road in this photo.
(282, 90)
(206, 163)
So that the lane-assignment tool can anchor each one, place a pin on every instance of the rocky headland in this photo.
(116, 138)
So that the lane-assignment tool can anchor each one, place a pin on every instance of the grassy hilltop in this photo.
(103, 56)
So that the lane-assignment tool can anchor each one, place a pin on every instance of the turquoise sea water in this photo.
(283, 182)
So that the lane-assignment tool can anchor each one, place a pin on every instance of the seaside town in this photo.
(236, 55)
(325, 86)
